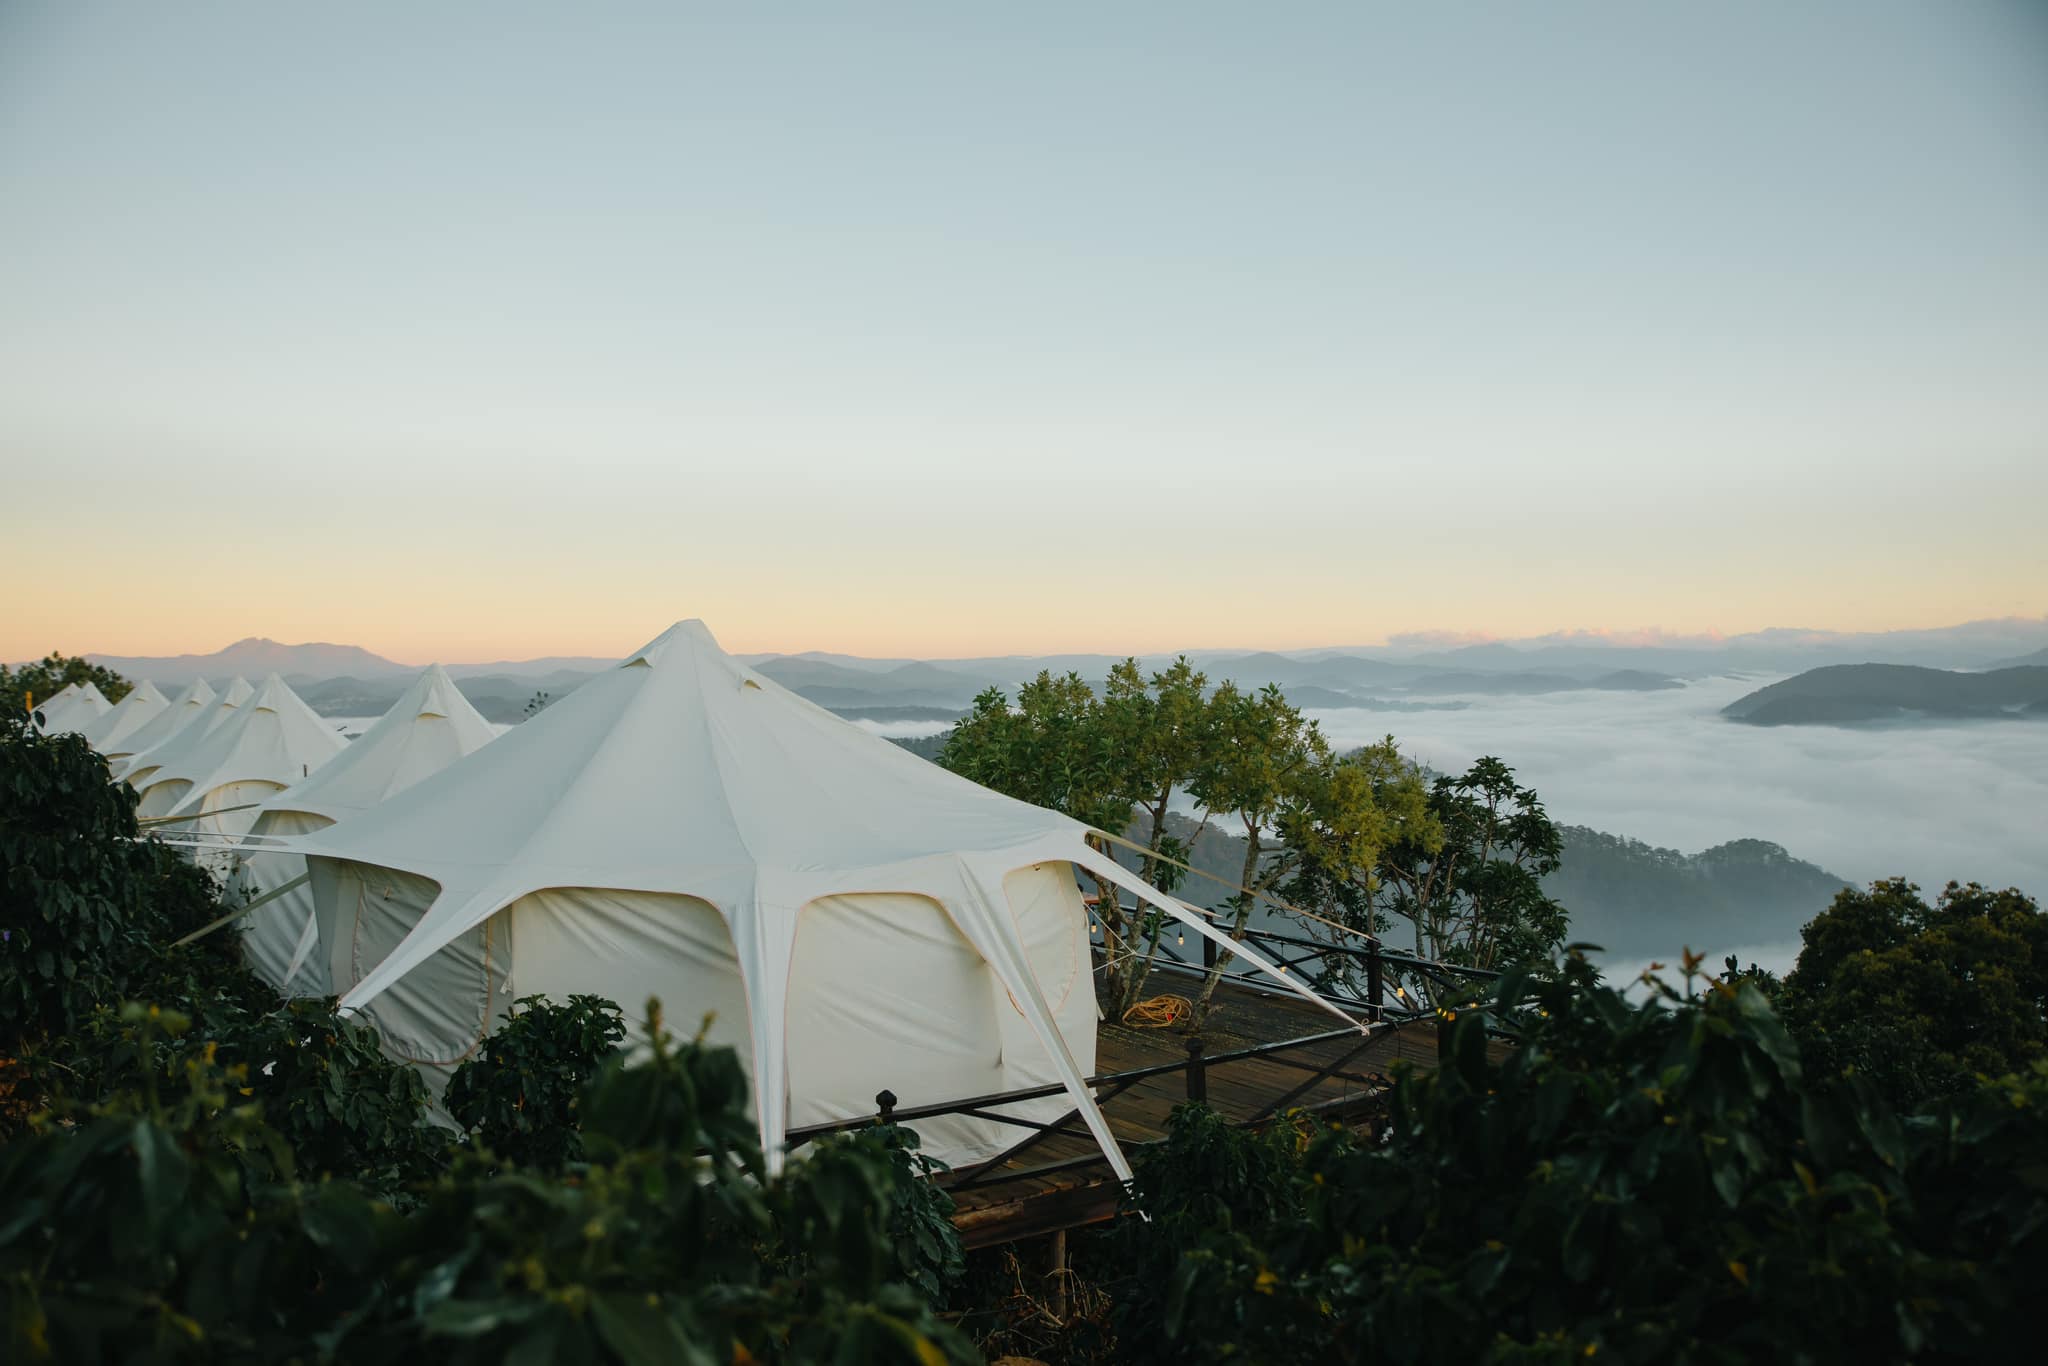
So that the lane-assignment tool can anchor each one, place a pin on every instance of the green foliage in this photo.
(1636, 900)
(519, 1093)
(147, 1233)
(1312, 821)
(1644, 1182)
(1160, 733)
(175, 1230)
(1466, 874)
(1921, 999)
(928, 1256)
(85, 909)
(51, 675)
(1052, 750)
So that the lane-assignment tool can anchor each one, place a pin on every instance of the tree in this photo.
(50, 675)
(1922, 999)
(519, 1093)
(1469, 876)
(1160, 735)
(1304, 811)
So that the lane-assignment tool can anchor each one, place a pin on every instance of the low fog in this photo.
(1955, 800)
(1931, 803)
(1950, 800)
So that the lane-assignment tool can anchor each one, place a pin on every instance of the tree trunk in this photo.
(1110, 912)
(1141, 970)
(1225, 957)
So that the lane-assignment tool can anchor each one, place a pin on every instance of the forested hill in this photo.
(1634, 900)
(1639, 901)
(1845, 694)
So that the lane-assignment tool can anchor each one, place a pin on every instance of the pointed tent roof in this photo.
(55, 705)
(188, 739)
(141, 706)
(187, 707)
(429, 727)
(682, 737)
(681, 770)
(274, 738)
(72, 707)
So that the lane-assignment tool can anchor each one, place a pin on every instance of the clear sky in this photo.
(475, 331)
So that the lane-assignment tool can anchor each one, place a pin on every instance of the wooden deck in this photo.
(1014, 1200)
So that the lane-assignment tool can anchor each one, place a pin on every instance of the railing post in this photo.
(1375, 982)
(885, 1106)
(1198, 1074)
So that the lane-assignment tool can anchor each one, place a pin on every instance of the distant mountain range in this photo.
(1853, 694)
(253, 658)
(1408, 674)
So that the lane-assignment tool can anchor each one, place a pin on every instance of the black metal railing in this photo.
(1363, 978)
(1196, 1067)
(1360, 972)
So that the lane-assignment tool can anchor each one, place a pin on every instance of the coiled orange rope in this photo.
(1160, 1011)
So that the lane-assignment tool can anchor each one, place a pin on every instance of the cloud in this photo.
(903, 730)
(1437, 640)
(1930, 803)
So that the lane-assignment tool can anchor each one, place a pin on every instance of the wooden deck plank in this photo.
(1016, 1201)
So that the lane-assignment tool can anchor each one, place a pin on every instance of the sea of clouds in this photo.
(1961, 800)
(1934, 802)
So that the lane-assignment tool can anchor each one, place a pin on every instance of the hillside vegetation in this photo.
(1849, 694)
(1636, 900)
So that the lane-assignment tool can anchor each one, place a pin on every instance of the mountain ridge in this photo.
(1859, 694)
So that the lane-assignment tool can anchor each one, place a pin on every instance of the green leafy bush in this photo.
(519, 1093)
(1644, 1182)
(159, 1228)
(175, 1230)
(324, 1085)
(928, 1256)
(86, 910)
(1923, 1000)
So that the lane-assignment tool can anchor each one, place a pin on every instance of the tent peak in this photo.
(271, 694)
(690, 635)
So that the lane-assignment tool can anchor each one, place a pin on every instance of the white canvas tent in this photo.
(271, 742)
(430, 726)
(188, 706)
(851, 917)
(143, 766)
(72, 707)
(141, 706)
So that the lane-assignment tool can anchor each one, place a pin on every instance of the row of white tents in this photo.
(846, 915)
